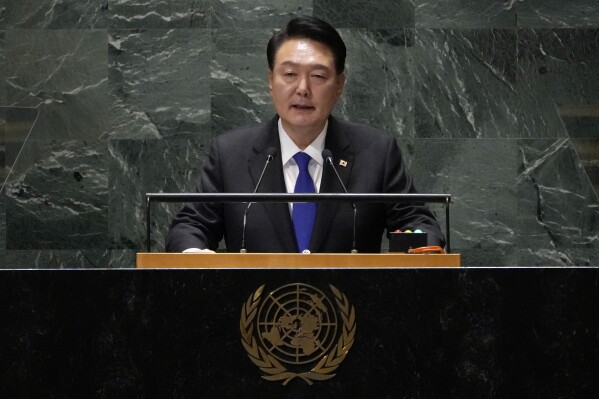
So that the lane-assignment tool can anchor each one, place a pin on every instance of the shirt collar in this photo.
(289, 148)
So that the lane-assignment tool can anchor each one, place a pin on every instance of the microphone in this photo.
(328, 158)
(271, 152)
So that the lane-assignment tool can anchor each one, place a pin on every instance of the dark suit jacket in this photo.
(374, 165)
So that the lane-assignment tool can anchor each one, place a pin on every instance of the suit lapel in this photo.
(337, 142)
(273, 182)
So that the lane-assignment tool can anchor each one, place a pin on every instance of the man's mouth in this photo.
(302, 107)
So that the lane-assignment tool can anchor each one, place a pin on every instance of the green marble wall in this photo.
(495, 102)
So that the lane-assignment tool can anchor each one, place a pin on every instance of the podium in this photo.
(412, 332)
(291, 261)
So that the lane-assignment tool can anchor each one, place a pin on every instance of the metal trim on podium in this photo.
(293, 261)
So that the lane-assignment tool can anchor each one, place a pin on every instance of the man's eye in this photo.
(319, 76)
(289, 74)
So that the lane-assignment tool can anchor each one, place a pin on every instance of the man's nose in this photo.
(303, 86)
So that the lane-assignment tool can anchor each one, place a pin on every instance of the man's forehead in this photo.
(304, 52)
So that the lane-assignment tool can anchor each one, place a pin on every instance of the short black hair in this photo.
(306, 27)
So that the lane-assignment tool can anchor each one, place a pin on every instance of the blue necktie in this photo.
(303, 213)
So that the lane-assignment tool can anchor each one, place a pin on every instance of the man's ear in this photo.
(270, 79)
(340, 84)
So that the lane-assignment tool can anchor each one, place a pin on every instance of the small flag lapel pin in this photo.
(342, 163)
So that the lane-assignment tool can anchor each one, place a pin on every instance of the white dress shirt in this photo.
(290, 168)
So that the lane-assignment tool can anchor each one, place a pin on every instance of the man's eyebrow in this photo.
(314, 66)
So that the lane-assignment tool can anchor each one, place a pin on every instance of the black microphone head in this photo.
(327, 155)
(271, 152)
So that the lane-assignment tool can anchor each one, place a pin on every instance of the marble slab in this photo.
(256, 14)
(558, 209)
(481, 177)
(65, 14)
(465, 84)
(2, 67)
(587, 151)
(57, 197)
(393, 14)
(158, 14)
(485, 14)
(159, 83)
(466, 14)
(66, 79)
(558, 14)
(560, 64)
(152, 166)
(239, 79)
(380, 86)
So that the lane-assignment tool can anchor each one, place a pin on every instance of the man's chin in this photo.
(303, 125)
(301, 122)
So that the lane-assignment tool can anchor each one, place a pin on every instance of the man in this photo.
(306, 78)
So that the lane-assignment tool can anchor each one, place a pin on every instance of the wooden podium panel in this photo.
(293, 261)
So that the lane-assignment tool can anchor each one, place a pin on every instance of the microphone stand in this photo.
(328, 156)
(270, 154)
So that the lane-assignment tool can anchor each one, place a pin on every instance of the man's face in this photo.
(304, 86)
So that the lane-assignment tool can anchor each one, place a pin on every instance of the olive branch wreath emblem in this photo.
(272, 368)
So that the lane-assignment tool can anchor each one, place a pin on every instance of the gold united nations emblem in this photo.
(297, 331)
